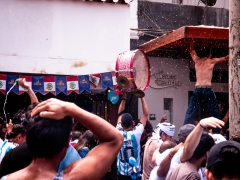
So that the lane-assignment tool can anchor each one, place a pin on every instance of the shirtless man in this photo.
(203, 96)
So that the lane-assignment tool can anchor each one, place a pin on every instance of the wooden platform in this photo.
(176, 43)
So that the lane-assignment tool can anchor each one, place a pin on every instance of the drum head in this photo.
(141, 70)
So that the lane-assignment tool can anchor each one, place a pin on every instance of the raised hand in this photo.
(211, 122)
(52, 109)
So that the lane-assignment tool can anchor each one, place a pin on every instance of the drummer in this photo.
(203, 95)
(131, 146)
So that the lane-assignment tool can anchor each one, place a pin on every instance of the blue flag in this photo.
(84, 83)
(10, 80)
(38, 84)
(61, 84)
(106, 80)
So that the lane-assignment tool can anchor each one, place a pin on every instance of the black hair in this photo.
(17, 116)
(17, 129)
(76, 135)
(228, 167)
(47, 137)
(205, 144)
(148, 128)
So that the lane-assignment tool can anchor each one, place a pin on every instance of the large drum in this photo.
(134, 65)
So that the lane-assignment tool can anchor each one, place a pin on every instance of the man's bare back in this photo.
(204, 67)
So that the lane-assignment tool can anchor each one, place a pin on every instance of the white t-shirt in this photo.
(159, 158)
(130, 148)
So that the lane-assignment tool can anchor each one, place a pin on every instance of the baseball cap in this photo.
(167, 128)
(126, 119)
(184, 131)
(215, 155)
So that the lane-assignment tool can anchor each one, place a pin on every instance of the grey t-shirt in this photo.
(184, 171)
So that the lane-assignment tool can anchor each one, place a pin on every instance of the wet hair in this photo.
(205, 144)
(228, 168)
(86, 140)
(47, 137)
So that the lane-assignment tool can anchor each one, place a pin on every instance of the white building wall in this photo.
(62, 37)
(155, 96)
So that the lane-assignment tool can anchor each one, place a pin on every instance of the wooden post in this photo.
(234, 66)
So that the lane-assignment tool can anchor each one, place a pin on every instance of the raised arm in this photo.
(122, 105)
(25, 85)
(194, 137)
(166, 162)
(99, 159)
(144, 117)
(221, 59)
(193, 53)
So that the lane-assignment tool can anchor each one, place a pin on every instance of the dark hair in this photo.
(17, 129)
(228, 167)
(236, 136)
(205, 144)
(148, 128)
(47, 137)
(86, 140)
(76, 135)
(17, 116)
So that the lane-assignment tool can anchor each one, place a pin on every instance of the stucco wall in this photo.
(62, 37)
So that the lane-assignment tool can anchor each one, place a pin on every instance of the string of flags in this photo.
(56, 84)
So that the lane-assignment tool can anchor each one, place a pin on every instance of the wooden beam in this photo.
(204, 36)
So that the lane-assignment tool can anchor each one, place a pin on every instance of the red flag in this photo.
(72, 84)
(3, 83)
(49, 85)
(94, 79)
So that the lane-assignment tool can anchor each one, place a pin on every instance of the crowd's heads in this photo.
(223, 160)
(86, 140)
(47, 137)
(167, 131)
(184, 131)
(18, 134)
(75, 135)
(19, 117)
(126, 120)
(205, 144)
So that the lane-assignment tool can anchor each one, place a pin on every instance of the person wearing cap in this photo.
(163, 160)
(194, 152)
(203, 95)
(131, 143)
(223, 161)
(166, 132)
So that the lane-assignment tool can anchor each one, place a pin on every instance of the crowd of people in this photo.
(58, 140)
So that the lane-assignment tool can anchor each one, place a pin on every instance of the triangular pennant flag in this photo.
(114, 79)
(94, 79)
(84, 83)
(38, 84)
(61, 84)
(106, 80)
(49, 85)
(112, 96)
(28, 79)
(3, 83)
(72, 84)
(11, 79)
